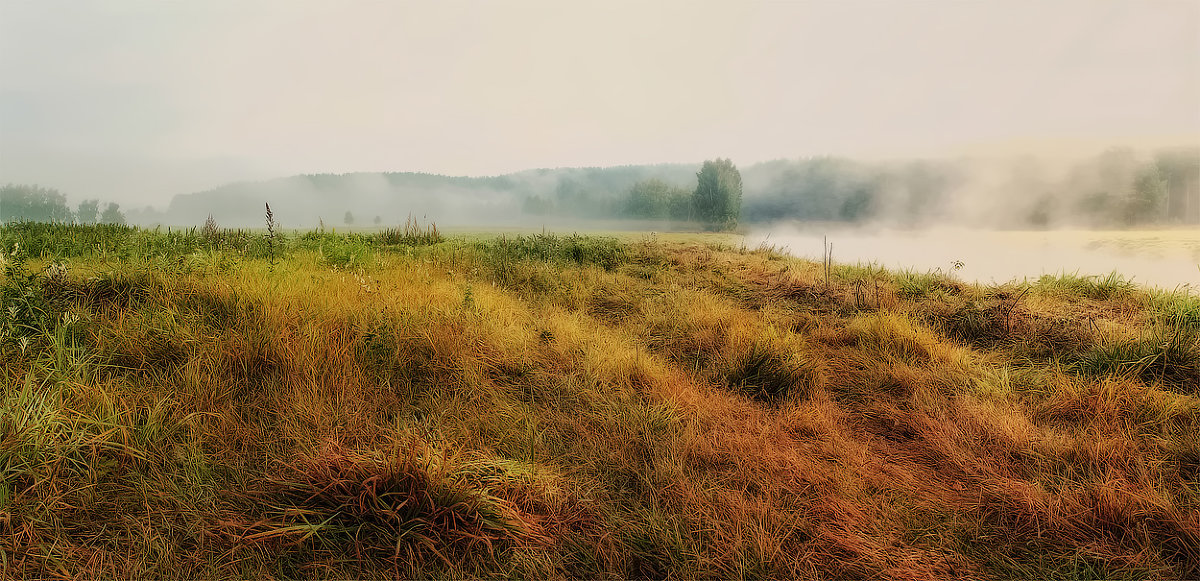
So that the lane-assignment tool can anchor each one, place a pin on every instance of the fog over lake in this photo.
(1163, 258)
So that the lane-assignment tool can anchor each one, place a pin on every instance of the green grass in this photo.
(412, 234)
(1176, 308)
(1110, 286)
(1165, 354)
(227, 404)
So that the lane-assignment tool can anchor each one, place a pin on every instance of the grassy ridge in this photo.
(224, 405)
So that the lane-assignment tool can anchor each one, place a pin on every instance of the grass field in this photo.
(399, 404)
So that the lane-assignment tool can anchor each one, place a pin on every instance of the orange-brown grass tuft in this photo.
(409, 503)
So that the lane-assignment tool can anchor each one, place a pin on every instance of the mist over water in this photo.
(1166, 259)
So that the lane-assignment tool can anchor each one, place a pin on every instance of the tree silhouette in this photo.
(717, 200)
(112, 214)
(88, 211)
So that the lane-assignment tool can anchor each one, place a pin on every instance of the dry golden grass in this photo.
(587, 408)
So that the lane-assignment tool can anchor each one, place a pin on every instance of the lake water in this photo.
(1163, 258)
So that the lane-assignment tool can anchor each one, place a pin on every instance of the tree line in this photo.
(33, 203)
(1115, 188)
(715, 202)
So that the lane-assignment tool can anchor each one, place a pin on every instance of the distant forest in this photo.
(1116, 188)
(34, 203)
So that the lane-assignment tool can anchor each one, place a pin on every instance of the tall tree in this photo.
(1180, 170)
(88, 211)
(718, 197)
(653, 198)
(1147, 197)
(112, 214)
(34, 203)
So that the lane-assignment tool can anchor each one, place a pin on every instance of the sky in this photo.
(138, 101)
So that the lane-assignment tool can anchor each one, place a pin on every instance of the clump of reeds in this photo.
(211, 231)
(413, 233)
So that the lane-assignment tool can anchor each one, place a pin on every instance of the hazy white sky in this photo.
(137, 101)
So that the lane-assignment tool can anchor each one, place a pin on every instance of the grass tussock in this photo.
(216, 404)
(410, 504)
(1169, 355)
(1110, 286)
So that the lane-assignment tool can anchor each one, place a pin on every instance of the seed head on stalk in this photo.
(270, 232)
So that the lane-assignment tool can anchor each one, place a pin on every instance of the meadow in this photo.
(409, 403)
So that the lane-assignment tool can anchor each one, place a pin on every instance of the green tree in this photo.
(112, 214)
(717, 200)
(537, 206)
(378, 219)
(348, 218)
(649, 199)
(1147, 197)
(679, 205)
(1180, 171)
(658, 200)
(34, 203)
(88, 211)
